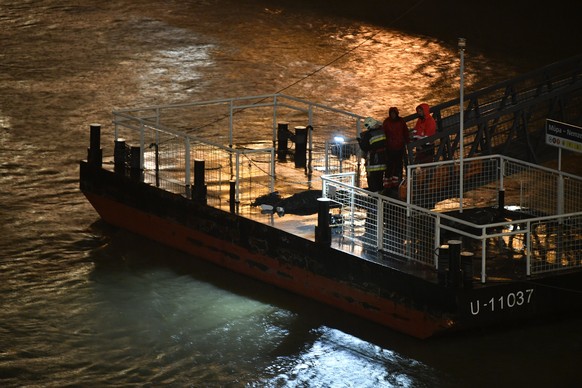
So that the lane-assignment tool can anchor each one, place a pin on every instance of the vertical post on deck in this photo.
(157, 161)
(300, 146)
(501, 202)
(119, 156)
(95, 152)
(199, 192)
(462, 44)
(443, 264)
(135, 170)
(467, 265)
(232, 196)
(454, 262)
(282, 137)
(309, 168)
(323, 229)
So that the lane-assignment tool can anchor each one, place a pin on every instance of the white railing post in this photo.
(528, 249)
(379, 223)
(560, 192)
(272, 184)
(462, 44)
(275, 124)
(483, 257)
(310, 143)
(502, 162)
(237, 177)
(437, 238)
(141, 144)
(231, 123)
(410, 180)
(187, 161)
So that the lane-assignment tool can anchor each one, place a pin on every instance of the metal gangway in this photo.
(508, 118)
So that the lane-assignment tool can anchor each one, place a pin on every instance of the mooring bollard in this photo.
(443, 264)
(120, 156)
(232, 196)
(282, 137)
(501, 203)
(467, 264)
(300, 146)
(95, 152)
(454, 262)
(323, 229)
(199, 191)
(135, 171)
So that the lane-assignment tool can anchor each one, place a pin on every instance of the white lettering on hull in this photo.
(508, 301)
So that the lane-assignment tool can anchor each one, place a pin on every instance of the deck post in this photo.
(300, 147)
(120, 156)
(323, 229)
(199, 192)
(95, 152)
(467, 264)
(232, 196)
(135, 171)
(501, 202)
(282, 137)
(454, 262)
(443, 264)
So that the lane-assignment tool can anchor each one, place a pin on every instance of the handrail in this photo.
(558, 82)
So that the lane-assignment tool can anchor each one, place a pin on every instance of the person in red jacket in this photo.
(425, 126)
(397, 136)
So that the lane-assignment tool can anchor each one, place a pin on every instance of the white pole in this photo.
(461, 123)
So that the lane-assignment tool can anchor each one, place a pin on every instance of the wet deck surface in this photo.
(304, 226)
(505, 265)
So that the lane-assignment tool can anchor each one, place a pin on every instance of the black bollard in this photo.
(199, 192)
(454, 262)
(95, 153)
(467, 264)
(157, 154)
(232, 196)
(135, 171)
(120, 156)
(282, 137)
(323, 229)
(501, 203)
(300, 147)
(443, 264)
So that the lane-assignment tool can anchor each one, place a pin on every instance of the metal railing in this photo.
(170, 140)
(545, 232)
(171, 137)
(534, 189)
(509, 117)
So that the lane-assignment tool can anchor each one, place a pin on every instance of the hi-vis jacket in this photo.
(373, 142)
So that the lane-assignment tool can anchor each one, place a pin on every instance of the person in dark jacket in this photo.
(373, 142)
(397, 136)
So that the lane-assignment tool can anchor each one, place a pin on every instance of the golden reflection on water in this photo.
(66, 66)
(364, 70)
(4, 122)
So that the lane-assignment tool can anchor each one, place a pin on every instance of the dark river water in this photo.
(84, 304)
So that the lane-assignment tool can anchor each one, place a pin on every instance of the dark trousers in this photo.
(375, 180)
(395, 163)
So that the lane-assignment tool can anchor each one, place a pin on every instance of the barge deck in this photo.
(418, 259)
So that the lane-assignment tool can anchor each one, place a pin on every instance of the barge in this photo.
(264, 186)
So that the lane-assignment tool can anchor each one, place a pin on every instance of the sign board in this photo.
(563, 135)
